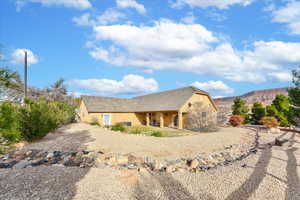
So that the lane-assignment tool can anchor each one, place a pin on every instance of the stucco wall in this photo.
(134, 118)
(204, 99)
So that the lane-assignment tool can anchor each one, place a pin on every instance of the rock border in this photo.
(31, 158)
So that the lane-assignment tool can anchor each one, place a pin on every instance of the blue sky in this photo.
(131, 47)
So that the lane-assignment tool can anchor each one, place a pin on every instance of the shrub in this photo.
(157, 134)
(258, 112)
(94, 124)
(37, 119)
(9, 122)
(269, 122)
(118, 127)
(236, 120)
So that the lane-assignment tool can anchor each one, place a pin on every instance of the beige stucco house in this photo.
(164, 109)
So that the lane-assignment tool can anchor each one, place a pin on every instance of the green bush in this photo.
(118, 127)
(157, 134)
(94, 124)
(9, 122)
(37, 119)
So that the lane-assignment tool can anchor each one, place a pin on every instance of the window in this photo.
(204, 114)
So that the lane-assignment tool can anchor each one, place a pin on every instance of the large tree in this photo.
(281, 109)
(239, 107)
(258, 111)
(294, 95)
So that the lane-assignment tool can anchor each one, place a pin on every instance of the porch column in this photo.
(161, 120)
(147, 119)
(180, 124)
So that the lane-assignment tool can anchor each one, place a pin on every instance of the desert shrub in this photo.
(38, 118)
(9, 122)
(118, 127)
(269, 122)
(157, 134)
(94, 124)
(236, 120)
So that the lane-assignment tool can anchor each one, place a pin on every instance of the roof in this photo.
(171, 100)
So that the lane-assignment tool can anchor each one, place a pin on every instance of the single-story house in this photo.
(164, 109)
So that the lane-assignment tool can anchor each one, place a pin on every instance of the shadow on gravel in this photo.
(74, 141)
(163, 186)
(293, 181)
(46, 182)
(260, 171)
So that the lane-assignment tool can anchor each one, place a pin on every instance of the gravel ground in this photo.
(167, 147)
(272, 173)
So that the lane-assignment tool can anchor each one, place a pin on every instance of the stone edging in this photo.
(31, 158)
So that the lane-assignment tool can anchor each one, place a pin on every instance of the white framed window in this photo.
(106, 119)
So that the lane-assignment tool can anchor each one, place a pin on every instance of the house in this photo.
(164, 109)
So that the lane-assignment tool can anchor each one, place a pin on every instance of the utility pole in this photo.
(25, 76)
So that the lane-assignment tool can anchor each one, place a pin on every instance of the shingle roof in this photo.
(171, 100)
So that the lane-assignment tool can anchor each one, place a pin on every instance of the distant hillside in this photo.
(264, 96)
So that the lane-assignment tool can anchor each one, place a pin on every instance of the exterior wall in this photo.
(197, 98)
(204, 99)
(134, 118)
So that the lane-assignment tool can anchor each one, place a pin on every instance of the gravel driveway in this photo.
(272, 173)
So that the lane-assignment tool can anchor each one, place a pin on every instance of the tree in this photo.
(239, 107)
(10, 85)
(294, 95)
(280, 108)
(258, 112)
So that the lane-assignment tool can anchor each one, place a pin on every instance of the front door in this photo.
(106, 119)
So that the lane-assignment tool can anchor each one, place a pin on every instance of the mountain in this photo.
(264, 96)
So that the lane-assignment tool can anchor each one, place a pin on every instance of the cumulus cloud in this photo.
(130, 85)
(191, 48)
(107, 17)
(213, 86)
(77, 4)
(290, 15)
(282, 76)
(220, 4)
(17, 57)
(131, 4)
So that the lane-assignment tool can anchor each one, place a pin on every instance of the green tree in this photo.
(239, 107)
(281, 109)
(294, 95)
(258, 112)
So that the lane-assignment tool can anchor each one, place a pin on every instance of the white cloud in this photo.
(220, 4)
(78, 4)
(189, 19)
(107, 17)
(213, 86)
(290, 15)
(131, 4)
(130, 85)
(191, 48)
(282, 76)
(17, 57)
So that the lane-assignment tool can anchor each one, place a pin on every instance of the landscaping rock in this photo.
(193, 163)
(22, 164)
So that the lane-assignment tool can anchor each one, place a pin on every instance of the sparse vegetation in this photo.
(118, 127)
(155, 131)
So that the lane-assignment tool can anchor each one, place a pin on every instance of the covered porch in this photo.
(171, 119)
